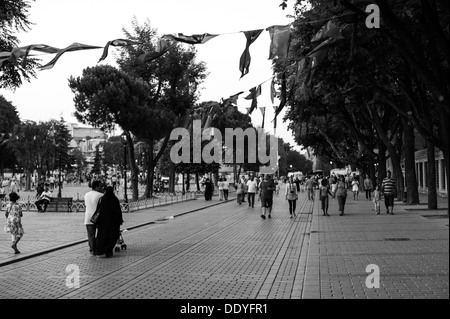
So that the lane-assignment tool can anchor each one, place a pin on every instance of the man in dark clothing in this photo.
(266, 190)
(297, 183)
(388, 189)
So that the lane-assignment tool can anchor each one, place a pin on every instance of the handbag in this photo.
(94, 218)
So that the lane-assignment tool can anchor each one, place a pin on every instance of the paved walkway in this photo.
(228, 252)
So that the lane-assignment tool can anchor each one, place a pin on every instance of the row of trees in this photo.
(378, 89)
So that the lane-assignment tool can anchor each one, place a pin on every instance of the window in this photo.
(421, 174)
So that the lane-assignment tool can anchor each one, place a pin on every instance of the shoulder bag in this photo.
(94, 218)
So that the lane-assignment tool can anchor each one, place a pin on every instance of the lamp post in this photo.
(124, 141)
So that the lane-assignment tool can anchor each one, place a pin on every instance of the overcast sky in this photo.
(60, 23)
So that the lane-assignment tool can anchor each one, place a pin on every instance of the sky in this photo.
(94, 22)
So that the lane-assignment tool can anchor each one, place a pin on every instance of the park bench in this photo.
(60, 204)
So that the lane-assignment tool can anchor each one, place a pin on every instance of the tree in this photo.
(299, 162)
(8, 119)
(14, 18)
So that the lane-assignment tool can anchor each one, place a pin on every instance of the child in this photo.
(13, 221)
(355, 189)
(376, 199)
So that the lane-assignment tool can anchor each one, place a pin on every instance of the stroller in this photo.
(120, 244)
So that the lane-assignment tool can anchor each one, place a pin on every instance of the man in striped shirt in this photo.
(388, 188)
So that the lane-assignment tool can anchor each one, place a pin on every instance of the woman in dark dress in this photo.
(208, 189)
(108, 224)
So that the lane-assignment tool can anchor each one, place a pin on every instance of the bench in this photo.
(60, 204)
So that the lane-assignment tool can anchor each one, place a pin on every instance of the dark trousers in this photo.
(91, 237)
(324, 201)
(225, 194)
(368, 194)
(251, 199)
(341, 202)
(389, 200)
(42, 204)
(292, 206)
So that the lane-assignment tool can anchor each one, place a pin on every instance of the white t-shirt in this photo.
(251, 186)
(90, 200)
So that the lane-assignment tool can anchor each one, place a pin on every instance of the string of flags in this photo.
(280, 37)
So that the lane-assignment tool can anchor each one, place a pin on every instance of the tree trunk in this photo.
(133, 167)
(410, 171)
(197, 181)
(171, 177)
(431, 176)
(381, 163)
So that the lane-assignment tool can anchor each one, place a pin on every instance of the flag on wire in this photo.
(162, 47)
(280, 41)
(116, 43)
(319, 53)
(254, 93)
(263, 112)
(231, 100)
(191, 39)
(25, 51)
(283, 93)
(244, 62)
(73, 47)
(329, 30)
(273, 92)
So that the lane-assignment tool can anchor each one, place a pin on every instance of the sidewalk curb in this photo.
(49, 250)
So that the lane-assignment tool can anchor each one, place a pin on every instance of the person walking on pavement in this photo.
(266, 196)
(91, 199)
(108, 224)
(14, 216)
(310, 183)
(252, 188)
(377, 199)
(341, 193)
(240, 187)
(297, 184)
(368, 187)
(291, 196)
(209, 189)
(324, 190)
(226, 186)
(220, 185)
(389, 189)
(355, 188)
(43, 200)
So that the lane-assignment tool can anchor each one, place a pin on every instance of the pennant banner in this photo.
(280, 41)
(231, 100)
(191, 39)
(244, 62)
(162, 47)
(254, 93)
(263, 112)
(329, 30)
(115, 43)
(73, 47)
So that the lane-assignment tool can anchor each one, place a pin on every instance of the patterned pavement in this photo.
(228, 252)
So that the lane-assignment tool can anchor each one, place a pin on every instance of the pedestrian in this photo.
(43, 200)
(91, 199)
(324, 190)
(389, 190)
(220, 185)
(368, 187)
(108, 223)
(52, 182)
(310, 183)
(355, 188)
(291, 196)
(377, 199)
(14, 216)
(277, 185)
(13, 187)
(2, 192)
(209, 189)
(252, 188)
(297, 183)
(226, 186)
(266, 189)
(240, 191)
(341, 193)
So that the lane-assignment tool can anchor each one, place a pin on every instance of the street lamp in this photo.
(124, 141)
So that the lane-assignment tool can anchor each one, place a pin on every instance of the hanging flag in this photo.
(231, 100)
(263, 112)
(73, 47)
(16, 53)
(319, 53)
(283, 93)
(329, 30)
(116, 43)
(244, 62)
(254, 93)
(300, 67)
(211, 115)
(162, 47)
(273, 92)
(281, 40)
(191, 39)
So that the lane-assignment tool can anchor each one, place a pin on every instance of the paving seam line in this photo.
(50, 250)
